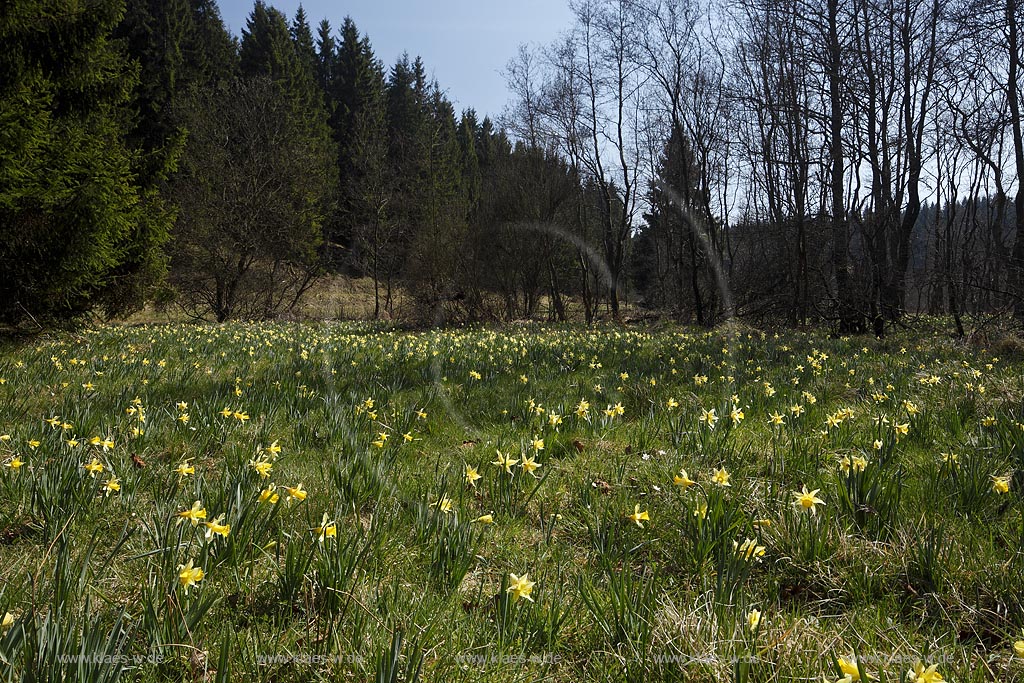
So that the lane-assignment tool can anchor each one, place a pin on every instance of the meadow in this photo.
(307, 502)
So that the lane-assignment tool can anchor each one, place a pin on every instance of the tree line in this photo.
(840, 160)
(819, 160)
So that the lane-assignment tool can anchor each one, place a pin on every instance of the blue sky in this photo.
(465, 44)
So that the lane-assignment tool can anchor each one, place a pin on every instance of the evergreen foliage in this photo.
(77, 229)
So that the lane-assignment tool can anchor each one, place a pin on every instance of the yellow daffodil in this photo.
(753, 619)
(295, 493)
(736, 415)
(105, 444)
(582, 409)
(444, 504)
(184, 469)
(520, 587)
(327, 529)
(920, 674)
(15, 462)
(637, 517)
(1018, 648)
(113, 485)
(682, 480)
(262, 467)
(749, 550)
(1000, 485)
(269, 495)
(189, 576)
(505, 462)
(849, 668)
(471, 475)
(808, 500)
(721, 477)
(529, 465)
(709, 417)
(8, 621)
(94, 467)
(217, 527)
(485, 519)
(193, 514)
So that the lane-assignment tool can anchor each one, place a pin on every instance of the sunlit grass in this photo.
(325, 502)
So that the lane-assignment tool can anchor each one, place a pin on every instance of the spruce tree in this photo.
(469, 160)
(268, 50)
(76, 228)
(434, 261)
(669, 262)
(358, 125)
(326, 58)
(214, 49)
(178, 44)
(302, 36)
(408, 135)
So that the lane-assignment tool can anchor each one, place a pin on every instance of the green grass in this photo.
(913, 556)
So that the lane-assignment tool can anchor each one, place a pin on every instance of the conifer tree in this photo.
(76, 228)
(470, 162)
(359, 123)
(326, 58)
(302, 36)
(178, 44)
(268, 49)
(670, 256)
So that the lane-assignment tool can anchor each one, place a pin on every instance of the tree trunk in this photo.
(851, 316)
(1017, 261)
